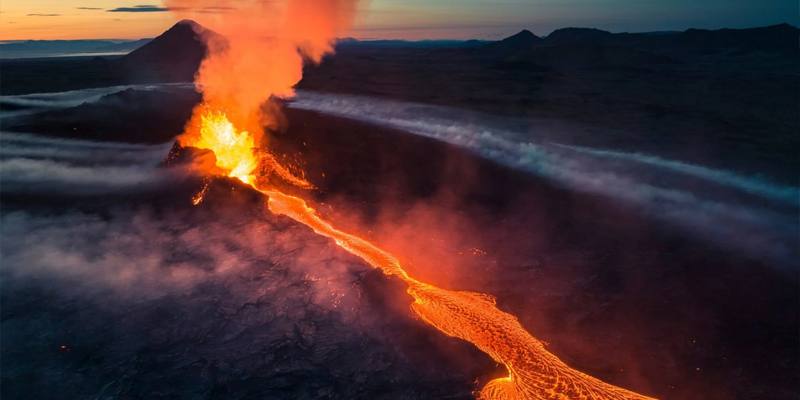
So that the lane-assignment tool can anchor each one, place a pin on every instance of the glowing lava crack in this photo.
(533, 372)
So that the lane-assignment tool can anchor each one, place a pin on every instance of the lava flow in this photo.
(533, 372)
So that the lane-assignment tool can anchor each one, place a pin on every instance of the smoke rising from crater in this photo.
(260, 50)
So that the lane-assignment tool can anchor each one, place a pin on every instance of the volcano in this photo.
(173, 56)
(523, 40)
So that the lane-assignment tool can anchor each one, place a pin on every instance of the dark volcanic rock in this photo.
(290, 317)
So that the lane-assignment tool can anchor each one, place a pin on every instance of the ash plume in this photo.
(259, 52)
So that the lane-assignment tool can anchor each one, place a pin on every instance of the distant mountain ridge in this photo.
(781, 38)
(183, 43)
(571, 35)
(524, 39)
(176, 54)
(59, 48)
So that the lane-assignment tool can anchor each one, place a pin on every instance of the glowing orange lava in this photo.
(198, 198)
(234, 151)
(533, 372)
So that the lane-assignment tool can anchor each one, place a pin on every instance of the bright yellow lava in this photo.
(233, 150)
(533, 372)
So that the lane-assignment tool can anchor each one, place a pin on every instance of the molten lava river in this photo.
(533, 372)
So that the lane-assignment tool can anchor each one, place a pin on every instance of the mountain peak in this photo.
(174, 55)
(188, 23)
(523, 35)
(185, 25)
(522, 39)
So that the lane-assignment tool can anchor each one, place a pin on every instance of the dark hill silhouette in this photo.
(774, 39)
(523, 40)
(578, 35)
(783, 38)
(569, 48)
(173, 56)
(575, 48)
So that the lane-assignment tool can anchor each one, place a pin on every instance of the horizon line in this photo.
(376, 38)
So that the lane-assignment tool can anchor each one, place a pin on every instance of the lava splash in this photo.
(533, 372)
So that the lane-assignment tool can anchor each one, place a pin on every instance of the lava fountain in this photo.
(266, 43)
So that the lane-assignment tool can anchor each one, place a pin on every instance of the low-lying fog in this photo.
(751, 214)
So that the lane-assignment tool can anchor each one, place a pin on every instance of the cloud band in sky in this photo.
(140, 8)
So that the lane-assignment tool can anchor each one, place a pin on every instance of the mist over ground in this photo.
(755, 215)
(741, 212)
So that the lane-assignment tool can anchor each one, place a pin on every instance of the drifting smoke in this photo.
(25, 104)
(259, 53)
(129, 251)
(743, 213)
(93, 253)
(31, 164)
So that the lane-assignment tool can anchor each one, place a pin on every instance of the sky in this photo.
(409, 19)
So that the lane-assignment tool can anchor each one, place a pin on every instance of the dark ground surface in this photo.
(259, 331)
(612, 292)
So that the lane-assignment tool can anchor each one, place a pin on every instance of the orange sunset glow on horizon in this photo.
(396, 19)
(121, 19)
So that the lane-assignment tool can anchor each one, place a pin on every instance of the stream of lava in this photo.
(533, 372)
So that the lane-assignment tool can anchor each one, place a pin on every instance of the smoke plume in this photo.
(259, 52)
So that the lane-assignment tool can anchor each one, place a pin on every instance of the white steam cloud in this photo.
(25, 104)
(138, 253)
(37, 164)
(653, 184)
